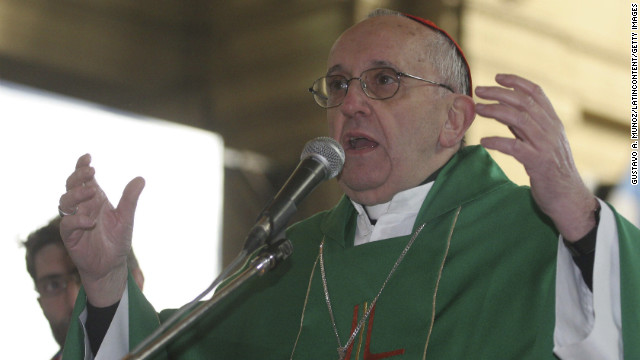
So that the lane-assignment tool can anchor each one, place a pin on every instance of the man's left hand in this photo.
(541, 145)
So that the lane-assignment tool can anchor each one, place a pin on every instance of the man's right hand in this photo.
(97, 235)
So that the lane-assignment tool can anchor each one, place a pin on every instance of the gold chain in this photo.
(342, 350)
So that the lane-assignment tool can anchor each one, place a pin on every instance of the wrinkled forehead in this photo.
(393, 40)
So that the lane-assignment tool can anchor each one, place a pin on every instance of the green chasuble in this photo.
(478, 282)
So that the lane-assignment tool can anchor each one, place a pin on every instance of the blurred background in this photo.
(239, 70)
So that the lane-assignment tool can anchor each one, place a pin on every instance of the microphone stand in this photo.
(263, 262)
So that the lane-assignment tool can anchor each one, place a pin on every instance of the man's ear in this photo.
(460, 116)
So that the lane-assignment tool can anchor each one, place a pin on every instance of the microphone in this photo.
(321, 159)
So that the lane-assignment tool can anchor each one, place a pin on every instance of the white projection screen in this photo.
(177, 236)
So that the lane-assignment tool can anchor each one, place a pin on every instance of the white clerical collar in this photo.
(394, 218)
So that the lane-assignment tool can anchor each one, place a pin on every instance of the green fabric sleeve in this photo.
(143, 320)
(629, 242)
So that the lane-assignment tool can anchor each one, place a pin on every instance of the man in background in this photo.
(56, 277)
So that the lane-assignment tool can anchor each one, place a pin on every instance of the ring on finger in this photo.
(63, 213)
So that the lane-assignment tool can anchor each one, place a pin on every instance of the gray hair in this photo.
(444, 54)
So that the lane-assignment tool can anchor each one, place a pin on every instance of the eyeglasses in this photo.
(54, 285)
(378, 84)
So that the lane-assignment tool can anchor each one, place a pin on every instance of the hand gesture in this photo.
(97, 235)
(541, 145)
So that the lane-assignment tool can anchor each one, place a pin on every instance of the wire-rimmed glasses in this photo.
(377, 83)
(54, 285)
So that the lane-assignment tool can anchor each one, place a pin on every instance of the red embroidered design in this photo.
(367, 353)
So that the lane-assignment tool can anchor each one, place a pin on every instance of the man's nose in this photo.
(355, 98)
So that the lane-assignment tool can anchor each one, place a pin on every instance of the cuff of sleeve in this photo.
(98, 321)
(115, 344)
(587, 245)
(581, 333)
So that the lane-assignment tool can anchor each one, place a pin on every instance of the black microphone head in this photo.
(327, 151)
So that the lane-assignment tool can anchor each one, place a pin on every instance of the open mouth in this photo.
(359, 143)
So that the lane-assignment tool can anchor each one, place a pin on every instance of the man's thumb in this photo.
(129, 199)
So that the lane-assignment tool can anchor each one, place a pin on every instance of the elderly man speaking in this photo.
(432, 253)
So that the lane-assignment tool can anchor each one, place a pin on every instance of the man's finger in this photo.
(530, 88)
(510, 146)
(72, 228)
(129, 199)
(80, 176)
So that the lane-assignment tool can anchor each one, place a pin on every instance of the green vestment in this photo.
(477, 283)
